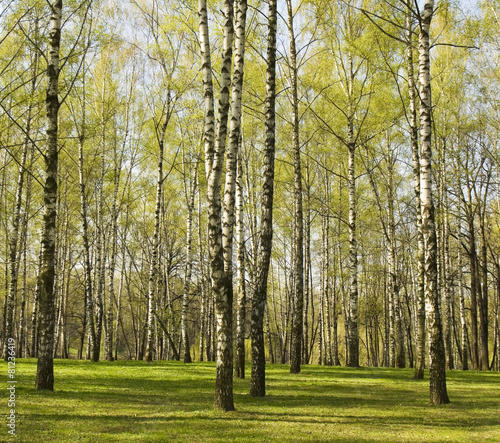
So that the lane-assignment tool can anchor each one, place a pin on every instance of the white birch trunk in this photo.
(420, 293)
(298, 256)
(240, 239)
(438, 392)
(45, 287)
(190, 192)
(214, 159)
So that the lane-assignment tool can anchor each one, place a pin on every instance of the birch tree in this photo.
(241, 271)
(412, 120)
(189, 193)
(215, 147)
(46, 296)
(14, 242)
(298, 223)
(438, 392)
(259, 297)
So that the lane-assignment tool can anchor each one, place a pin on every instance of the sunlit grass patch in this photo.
(170, 401)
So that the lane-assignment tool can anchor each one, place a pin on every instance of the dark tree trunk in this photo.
(258, 374)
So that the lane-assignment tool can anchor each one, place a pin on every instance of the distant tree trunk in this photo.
(190, 192)
(352, 307)
(325, 271)
(392, 315)
(386, 339)
(153, 271)
(100, 254)
(335, 341)
(240, 239)
(321, 324)
(203, 284)
(34, 313)
(13, 250)
(123, 273)
(64, 287)
(448, 286)
(483, 305)
(298, 265)
(438, 393)
(23, 342)
(269, 336)
(259, 298)
(46, 315)
(109, 341)
(307, 268)
(400, 361)
(497, 317)
(89, 300)
(474, 285)
(463, 321)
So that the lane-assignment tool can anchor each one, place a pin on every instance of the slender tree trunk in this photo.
(153, 271)
(108, 340)
(298, 265)
(386, 340)
(307, 268)
(450, 364)
(474, 289)
(209, 147)
(46, 315)
(463, 321)
(438, 392)
(420, 293)
(497, 317)
(64, 285)
(13, 251)
(100, 261)
(335, 341)
(325, 264)
(259, 298)
(352, 308)
(63, 313)
(23, 342)
(89, 299)
(392, 315)
(34, 314)
(190, 196)
(228, 217)
(203, 284)
(321, 325)
(269, 336)
(483, 305)
(240, 238)
(400, 360)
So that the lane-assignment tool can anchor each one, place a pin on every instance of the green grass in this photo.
(170, 401)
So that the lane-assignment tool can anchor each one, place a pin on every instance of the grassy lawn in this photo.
(170, 401)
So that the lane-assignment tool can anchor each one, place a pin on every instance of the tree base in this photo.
(45, 374)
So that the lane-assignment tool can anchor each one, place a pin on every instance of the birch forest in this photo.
(306, 182)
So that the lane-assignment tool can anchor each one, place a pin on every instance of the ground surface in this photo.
(171, 401)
